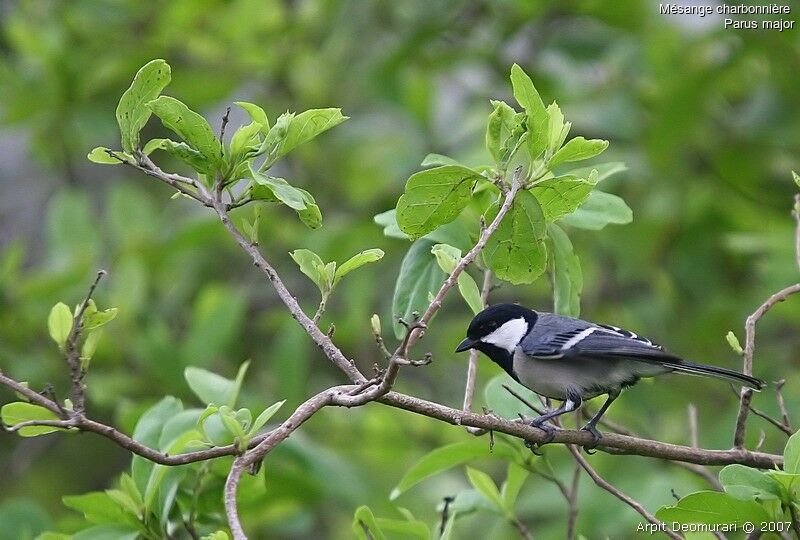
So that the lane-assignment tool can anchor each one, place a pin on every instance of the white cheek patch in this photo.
(509, 335)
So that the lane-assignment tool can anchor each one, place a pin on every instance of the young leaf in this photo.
(746, 484)
(245, 140)
(264, 417)
(59, 323)
(132, 111)
(577, 149)
(307, 125)
(434, 197)
(312, 266)
(148, 431)
(498, 128)
(280, 188)
(311, 215)
(448, 256)
(516, 252)
(561, 195)
(356, 261)
(102, 156)
(98, 318)
(791, 454)
(444, 458)
(190, 126)
(96, 507)
(713, 508)
(364, 525)
(537, 119)
(237, 383)
(436, 160)
(256, 114)
(567, 275)
(89, 347)
(557, 128)
(20, 411)
(486, 487)
(405, 528)
(210, 387)
(599, 210)
(185, 153)
(733, 341)
(108, 531)
(419, 276)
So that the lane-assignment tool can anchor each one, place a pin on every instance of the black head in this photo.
(493, 318)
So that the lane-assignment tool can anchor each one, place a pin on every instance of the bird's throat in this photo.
(499, 356)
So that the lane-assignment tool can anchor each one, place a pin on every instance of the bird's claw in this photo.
(596, 436)
(549, 430)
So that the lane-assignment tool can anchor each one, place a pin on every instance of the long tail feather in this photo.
(716, 371)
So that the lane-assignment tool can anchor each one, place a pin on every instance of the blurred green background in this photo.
(706, 119)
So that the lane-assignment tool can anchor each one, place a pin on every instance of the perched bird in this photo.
(572, 360)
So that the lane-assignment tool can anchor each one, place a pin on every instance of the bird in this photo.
(572, 360)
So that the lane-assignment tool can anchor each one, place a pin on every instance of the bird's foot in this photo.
(549, 429)
(596, 436)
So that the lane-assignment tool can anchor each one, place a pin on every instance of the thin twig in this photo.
(572, 502)
(761, 414)
(472, 367)
(225, 119)
(600, 481)
(746, 395)
(782, 404)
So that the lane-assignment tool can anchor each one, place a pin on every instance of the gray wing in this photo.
(554, 336)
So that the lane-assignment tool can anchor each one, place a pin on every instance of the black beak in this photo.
(466, 345)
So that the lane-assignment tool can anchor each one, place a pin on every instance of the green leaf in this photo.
(405, 528)
(511, 487)
(283, 191)
(516, 252)
(577, 149)
(97, 319)
(132, 111)
(108, 532)
(212, 388)
(219, 535)
(308, 124)
(312, 266)
(311, 215)
(502, 403)
(190, 126)
(444, 458)
(537, 119)
(364, 525)
(435, 160)
(245, 141)
(264, 417)
(97, 507)
(101, 155)
(356, 261)
(148, 431)
(89, 347)
(557, 129)
(604, 170)
(419, 277)
(256, 114)
(746, 484)
(59, 323)
(20, 411)
(561, 195)
(486, 487)
(567, 274)
(499, 127)
(791, 454)
(733, 341)
(713, 508)
(185, 153)
(434, 197)
(599, 210)
(448, 256)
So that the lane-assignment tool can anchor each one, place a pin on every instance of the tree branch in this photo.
(746, 395)
(600, 481)
(472, 367)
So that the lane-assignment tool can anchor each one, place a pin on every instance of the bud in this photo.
(375, 321)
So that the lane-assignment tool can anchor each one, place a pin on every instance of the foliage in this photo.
(707, 153)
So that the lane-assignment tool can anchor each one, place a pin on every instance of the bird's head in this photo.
(502, 326)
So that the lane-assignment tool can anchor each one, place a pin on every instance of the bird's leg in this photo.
(572, 402)
(591, 426)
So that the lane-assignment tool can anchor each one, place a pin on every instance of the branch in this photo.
(472, 367)
(600, 481)
(749, 348)
(73, 353)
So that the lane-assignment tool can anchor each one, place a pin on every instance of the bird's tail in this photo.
(684, 366)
